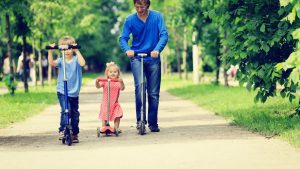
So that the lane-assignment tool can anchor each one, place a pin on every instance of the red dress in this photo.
(115, 108)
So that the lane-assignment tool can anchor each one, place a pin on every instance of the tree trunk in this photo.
(218, 63)
(177, 54)
(195, 59)
(184, 54)
(225, 49)
(225, 77)
(40, 63)
(49, 74)
(2, 60)
(25, 65)
(34, 79)
(9, 52)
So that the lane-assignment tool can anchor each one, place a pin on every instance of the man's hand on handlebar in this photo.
(154, 54)
(130, 53)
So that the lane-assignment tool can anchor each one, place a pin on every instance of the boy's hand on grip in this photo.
(52, 45)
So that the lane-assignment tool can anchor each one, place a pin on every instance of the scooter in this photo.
(68, 133)
(107, 129)
(142, 123)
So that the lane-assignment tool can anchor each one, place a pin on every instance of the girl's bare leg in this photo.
(117, 123)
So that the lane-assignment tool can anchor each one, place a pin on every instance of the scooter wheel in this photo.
(68, 140)
(68, 136)
(98, 132)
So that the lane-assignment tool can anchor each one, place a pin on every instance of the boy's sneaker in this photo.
(154, 128)
(75, 138)
(61, 135)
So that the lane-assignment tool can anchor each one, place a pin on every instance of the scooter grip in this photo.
(51, 47)
(69, 47)
(74, 46)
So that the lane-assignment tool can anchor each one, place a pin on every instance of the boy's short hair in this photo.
(147, 2)
(66, 40)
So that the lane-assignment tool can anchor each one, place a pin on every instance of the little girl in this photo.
(112, 72)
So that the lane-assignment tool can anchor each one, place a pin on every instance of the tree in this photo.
(291, 66)
(258, 38)
(5, 7)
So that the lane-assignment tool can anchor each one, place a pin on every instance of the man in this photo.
(149, 36)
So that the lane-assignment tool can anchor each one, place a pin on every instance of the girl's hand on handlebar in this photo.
(98, 84)
(52, 45)
(120, 79)
(130, 53)
(154, 54)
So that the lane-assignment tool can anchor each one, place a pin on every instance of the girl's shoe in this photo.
(119, 130)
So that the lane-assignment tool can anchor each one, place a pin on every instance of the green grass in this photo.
(88, 77)
(23, 105)
(236, 104)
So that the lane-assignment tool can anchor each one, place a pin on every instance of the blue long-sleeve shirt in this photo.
(147, 36)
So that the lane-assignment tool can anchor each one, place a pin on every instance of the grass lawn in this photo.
(23, 105)
(237, 105)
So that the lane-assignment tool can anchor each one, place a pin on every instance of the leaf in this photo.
(261, 73)
(282, 93)
(255, 48)
(243, 55)
(265, 47)
(292, 16)
(296, 34)
(263, 28)
(264, 98)
(279, 67)
(284, 2)
(292, 97)
(249, 86)
(257, 97)
(294, 76)
(281, 11)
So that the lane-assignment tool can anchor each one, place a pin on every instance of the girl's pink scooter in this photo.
(107, 129)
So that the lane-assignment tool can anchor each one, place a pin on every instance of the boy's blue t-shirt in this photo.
(147, 36)
(74, 77)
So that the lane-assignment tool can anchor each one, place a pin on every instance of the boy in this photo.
(74, 64)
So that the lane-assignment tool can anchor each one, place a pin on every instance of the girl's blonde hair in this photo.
(66, 40)
(110, 65)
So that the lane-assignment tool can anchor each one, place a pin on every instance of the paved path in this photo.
(190, 138)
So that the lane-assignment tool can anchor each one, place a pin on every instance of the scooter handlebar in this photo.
(142, 54)
(63, 47)
(105, 80)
